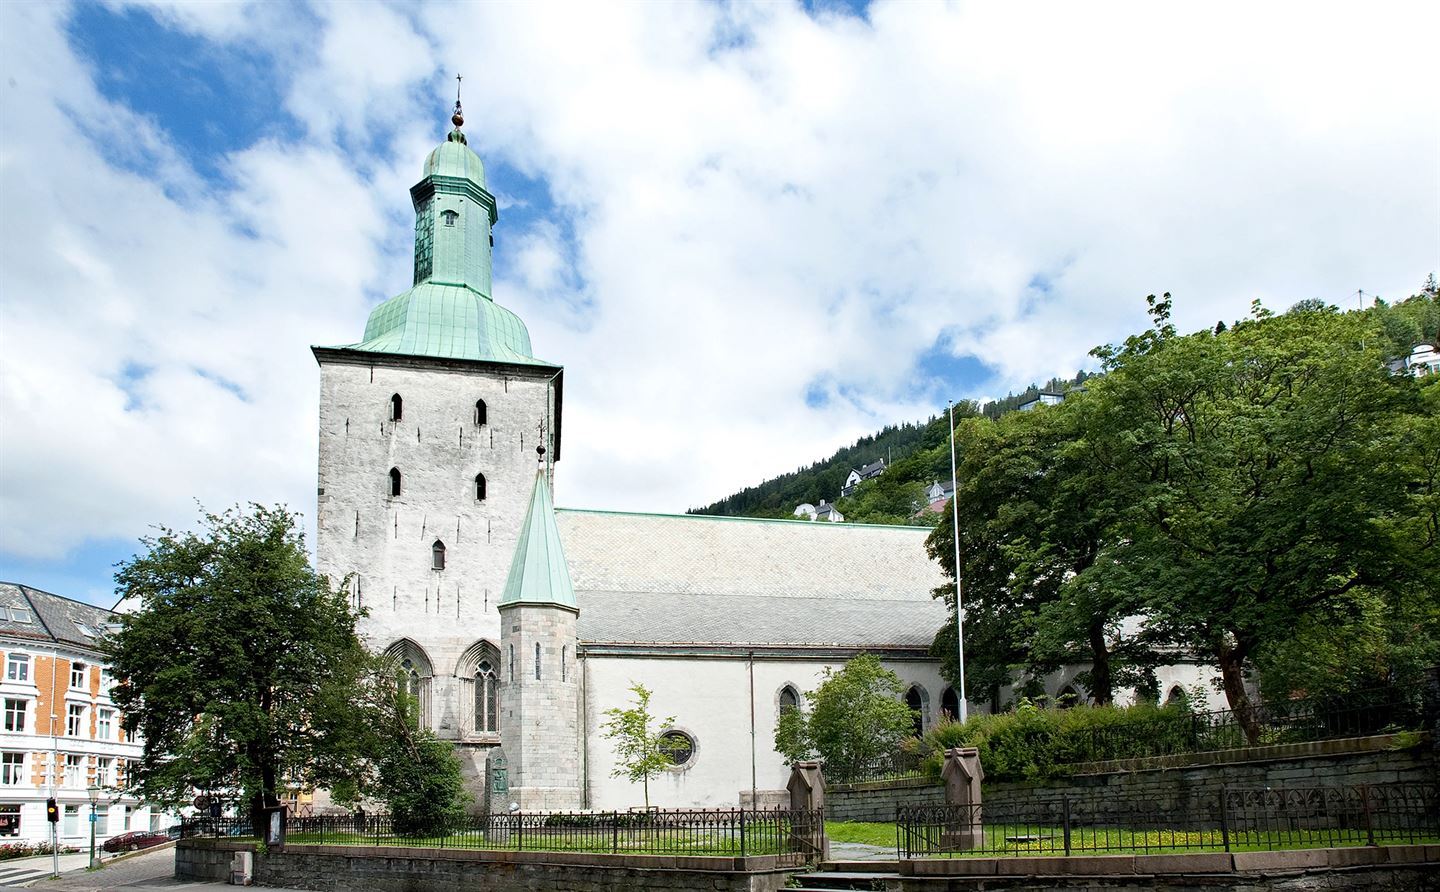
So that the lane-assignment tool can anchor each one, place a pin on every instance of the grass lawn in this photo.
(671, 841)
(1001, 839)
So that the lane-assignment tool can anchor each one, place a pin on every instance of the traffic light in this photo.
(52, 811)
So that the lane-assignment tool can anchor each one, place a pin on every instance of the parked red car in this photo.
(135, 839)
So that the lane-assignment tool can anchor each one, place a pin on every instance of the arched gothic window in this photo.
(408, 680)
(485, 698)
(396, 407)
(480, 412)
(916, 701)
(789, 699)
(479, 487)
(1067, 697)
(950, 703)
(437, 555)
(1177, 695)
(394, 481)
(412, 677)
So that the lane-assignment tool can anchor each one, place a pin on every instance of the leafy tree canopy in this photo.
(855, 719)
(240, 668)
(642, 750)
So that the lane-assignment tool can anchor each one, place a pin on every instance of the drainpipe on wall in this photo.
(584, 726)
(753, 803)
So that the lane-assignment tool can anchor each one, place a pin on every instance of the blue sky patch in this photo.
(85, 574)
(209, 98)
(949, 376)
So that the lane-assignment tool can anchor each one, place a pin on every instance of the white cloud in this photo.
(748, 201)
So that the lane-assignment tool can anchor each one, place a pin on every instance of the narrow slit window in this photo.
(537, 661)
(396, 407)
(394, 481)
(564, 670)
(479, 487)
(437, 555)
(480, 416)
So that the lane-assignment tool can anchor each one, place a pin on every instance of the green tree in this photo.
(415, 773)
(642, 750)
(238, 668)
(855, 719)
(1266, 477)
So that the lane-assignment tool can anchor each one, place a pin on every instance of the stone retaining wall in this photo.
(1382, 867)
(397, 869)
(1326, 763)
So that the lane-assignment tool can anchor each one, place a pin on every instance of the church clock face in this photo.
(424, 240)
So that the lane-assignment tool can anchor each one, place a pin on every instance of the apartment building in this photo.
(60, 733)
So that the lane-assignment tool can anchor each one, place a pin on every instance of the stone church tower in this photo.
(429, 429)
(539, 700)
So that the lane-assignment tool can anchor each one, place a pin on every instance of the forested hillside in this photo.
(917, 455)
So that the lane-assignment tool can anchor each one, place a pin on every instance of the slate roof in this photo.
(689, 579)
(873, 469)
(53, 618)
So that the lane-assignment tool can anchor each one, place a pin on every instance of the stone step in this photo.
(832, 880)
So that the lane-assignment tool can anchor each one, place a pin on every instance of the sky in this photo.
(751, 232)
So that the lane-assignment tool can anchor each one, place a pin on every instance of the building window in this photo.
(72, 821)
(106, 678)
(74, 719)
(449, 217)
(537, 661)
(9, 820)
(12, 769)
(14, 715)
(74, 777)
(915, 699)
(512, 662)
(105, 771)
(17, 667)
(564, 671)
(77, 676)
(437, 555)
(789, 699)
(1067, 697)
(479, 412)
(1176, 696)
(479, 487)
(397, 407)
(679, 746)
(105, 724)
(950, 703)
(394, 481)
(485, 698)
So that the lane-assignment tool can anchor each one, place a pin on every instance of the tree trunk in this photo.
(1232, 665)
(1100, 684)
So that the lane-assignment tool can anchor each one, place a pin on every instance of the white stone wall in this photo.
(710, 700)
(539, 707)
(385, 541)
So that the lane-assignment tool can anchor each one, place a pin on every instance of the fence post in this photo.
(1225, 816)
(1065, 803)
(1369, 821)
(615, 832)
(742, 833)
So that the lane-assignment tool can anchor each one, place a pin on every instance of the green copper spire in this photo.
(448, 312)
(539, 573)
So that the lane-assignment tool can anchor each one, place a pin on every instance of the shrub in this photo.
(26, 849)
(1032, 743)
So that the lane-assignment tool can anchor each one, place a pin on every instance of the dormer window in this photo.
(479, 487)
(394, 481)
(396, 407)
(479, 412)
(449, 217)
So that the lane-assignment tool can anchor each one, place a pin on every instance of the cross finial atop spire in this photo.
(458, 119)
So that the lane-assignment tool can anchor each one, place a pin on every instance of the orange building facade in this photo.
(60, 733)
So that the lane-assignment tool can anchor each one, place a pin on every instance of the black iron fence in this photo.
(1299, 720)
(725, 832)
(1223, 820)
(898, 765)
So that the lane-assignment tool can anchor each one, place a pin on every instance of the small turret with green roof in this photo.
(539, 573)
(449, 312)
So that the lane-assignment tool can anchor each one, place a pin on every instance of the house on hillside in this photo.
(826, 511)
(1043, 398)
(868, 472)
(805, 510)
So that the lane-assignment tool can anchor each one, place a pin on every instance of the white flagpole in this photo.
(955, 519)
